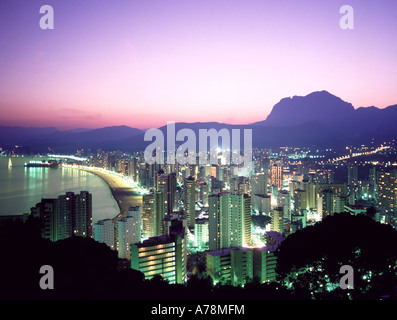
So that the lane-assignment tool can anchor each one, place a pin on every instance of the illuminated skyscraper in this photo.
(103, 232)
(219, 221)
(259, 184)
(387, 190)
(133, 169)
(277, 222)
(261, 203)
(276, 175)
(284, 201)
(171, 193)
(264, 264)
(66, 216)
(236, 266)
(327, 202)
(128, 232)
(163, 255)
(246, 219)
(242, 266)
(75, 215)
(189, 197)
(201, 235)
(149, 219)
(236, 220)
(47, 212)
(204, 193)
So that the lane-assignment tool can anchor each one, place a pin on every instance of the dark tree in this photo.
(310, 259)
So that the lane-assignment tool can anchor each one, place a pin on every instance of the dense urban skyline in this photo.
(143, 63)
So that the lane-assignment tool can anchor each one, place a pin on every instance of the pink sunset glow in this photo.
(143, 63)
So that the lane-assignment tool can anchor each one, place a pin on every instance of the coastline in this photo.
(125, 195)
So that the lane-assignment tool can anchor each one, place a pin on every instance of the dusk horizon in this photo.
(165, 121)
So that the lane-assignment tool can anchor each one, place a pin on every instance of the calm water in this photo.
(21, 188)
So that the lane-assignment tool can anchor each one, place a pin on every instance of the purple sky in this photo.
(143, 63)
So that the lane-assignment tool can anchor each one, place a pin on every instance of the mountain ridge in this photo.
(319, 118)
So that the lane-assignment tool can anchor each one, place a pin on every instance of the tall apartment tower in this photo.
(103, 232)
(240, 220)
(284, 201)
(47, 212)
(259, 184)
(189, 201)
(352, 177)
(149, 219)
(247, 206)
(387, 190)
(128, 232)
(236, 220)
(66, 216)
(75, 215)
(219, 221)
(171, 193)
(163, 255)
(276, 175)
(277, 222)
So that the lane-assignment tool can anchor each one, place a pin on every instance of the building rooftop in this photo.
(221, 252)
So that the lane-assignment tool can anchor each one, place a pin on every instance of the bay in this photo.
(22, 188)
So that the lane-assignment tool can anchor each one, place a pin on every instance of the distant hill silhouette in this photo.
(39, 139)
(319, 119)
(316, 108)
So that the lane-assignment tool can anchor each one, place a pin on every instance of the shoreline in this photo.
(123, 193)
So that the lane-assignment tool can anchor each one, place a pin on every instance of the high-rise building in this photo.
(218, 265)
(160, 211)
(387, 190)
(328, 208)
(47, 212)
(265, 263)
(259, 184)
(352, 176)
(67, 216)
(300, 201)
(204, 193)
(236, 220)
(277, 222)
(276, 175)
(261, 203)
(236, 266)
(133, 169)
(149, 219)
(171, 193)
(103, 232)
(83, 219)
(373, 190)
(163, 255)
(201, 234)
(247, 208)
(242, 266)
(229, 220)
(339, 203)
(189, 200)
(219, 221)
(284, 201)
(128, 231)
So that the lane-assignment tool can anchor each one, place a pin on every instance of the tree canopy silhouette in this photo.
(311, 258)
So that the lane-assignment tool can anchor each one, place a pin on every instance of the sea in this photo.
(21, 188)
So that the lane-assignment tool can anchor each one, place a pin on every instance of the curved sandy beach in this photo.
(124, 194)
